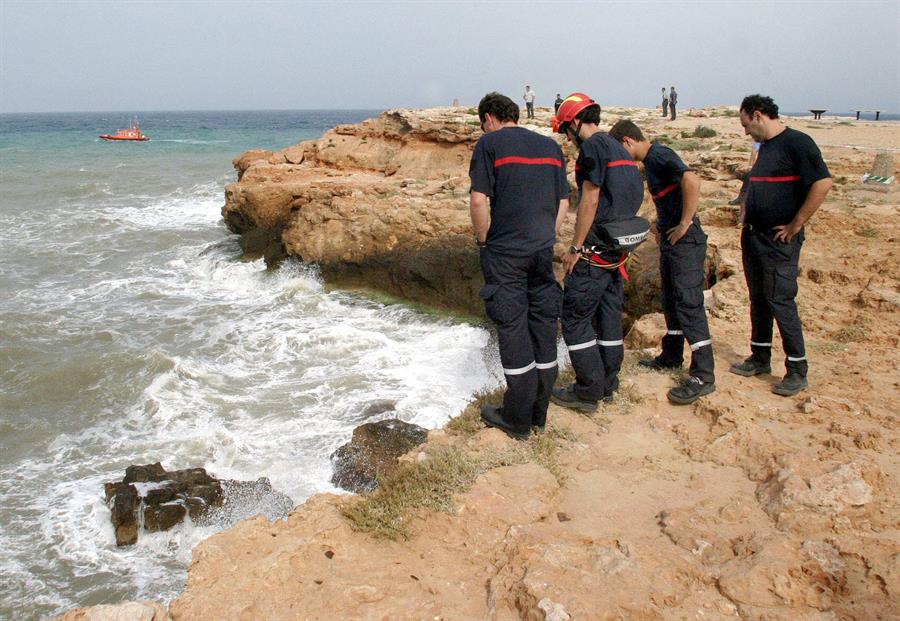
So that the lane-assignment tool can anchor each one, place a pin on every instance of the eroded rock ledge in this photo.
(381, 204)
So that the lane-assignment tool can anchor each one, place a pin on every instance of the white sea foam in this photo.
(168, 348)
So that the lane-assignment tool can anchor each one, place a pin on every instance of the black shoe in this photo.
(736, 201)
(492, 416)
(690, 391)
(658, 364)
(790, 385)
(750, 367)
(538, 428)
(567, 398)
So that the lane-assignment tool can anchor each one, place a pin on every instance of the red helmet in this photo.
(570, 108)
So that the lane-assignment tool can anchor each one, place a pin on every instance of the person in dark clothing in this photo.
(673, 99)
(557, 103)
(675, 189)
(518, 201)
(788, 183)
(665, 103)
(611, 190)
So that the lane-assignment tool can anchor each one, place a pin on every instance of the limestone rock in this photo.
(373, 452)
(126, 611)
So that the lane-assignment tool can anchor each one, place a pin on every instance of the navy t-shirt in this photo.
(664, 171)
(524, 174)
(787, 166)
(603, 161)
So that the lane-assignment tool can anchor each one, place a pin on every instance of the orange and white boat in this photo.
(133, 132)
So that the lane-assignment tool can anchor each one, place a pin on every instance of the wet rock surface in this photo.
(151, 499)
(373, 452)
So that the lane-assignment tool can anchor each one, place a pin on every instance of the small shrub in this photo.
(854, 333)
(867, 231)
(702, 131)
(472, 111)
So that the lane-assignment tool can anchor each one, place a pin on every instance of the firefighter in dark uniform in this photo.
(611, 190)
(788, 183)
(675, 189)
(518, 200)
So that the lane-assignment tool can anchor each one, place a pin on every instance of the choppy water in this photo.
(131, 332)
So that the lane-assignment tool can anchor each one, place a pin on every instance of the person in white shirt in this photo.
(529, 101)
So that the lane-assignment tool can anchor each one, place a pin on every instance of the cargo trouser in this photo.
(522, 298)
(682, 273)
(593, 294)
(771, 269)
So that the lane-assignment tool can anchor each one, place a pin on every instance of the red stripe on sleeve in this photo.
(665, 191)
(775, 179)
(529, 161)
(621, 163)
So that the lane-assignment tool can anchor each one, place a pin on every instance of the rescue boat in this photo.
(133, 132)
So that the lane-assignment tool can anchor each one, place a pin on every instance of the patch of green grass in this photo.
(829, 347)
(702, 131)
(867, 231)
(431, 484)
(853, 333)
(469, 421)
(472, 111)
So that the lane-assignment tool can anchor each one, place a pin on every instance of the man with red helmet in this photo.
(518, 200)
(611, 190)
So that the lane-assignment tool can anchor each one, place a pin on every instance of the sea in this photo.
(131, 332)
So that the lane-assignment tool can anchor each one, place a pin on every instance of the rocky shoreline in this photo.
(745, 505)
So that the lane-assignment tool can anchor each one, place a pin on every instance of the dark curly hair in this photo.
(764, 104)
(499, 106)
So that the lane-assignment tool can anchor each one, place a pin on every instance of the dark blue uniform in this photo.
(524, 175)
(787, 166)
(681, 267)
(594, 294)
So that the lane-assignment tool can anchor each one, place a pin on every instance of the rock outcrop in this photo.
(382, 204)
(373, 452)
(151, 499)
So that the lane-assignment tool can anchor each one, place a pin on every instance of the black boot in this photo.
(750, 367)
(690, 391)
(567, 398)
(790, 385)
(492, 416)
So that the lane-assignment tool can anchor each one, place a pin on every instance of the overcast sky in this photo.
(217, 55)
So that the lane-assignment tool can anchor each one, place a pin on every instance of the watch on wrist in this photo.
(481, 244)
(575, 249)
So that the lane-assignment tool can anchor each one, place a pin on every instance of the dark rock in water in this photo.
(124, 511)
(373, 451)
(163, 499)
(162, 517)
(144, 474)
(379, 407)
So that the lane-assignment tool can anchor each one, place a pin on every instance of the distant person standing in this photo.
(675, 190)
(518, 201)
(673, 99)
(529, 101)
(788, 183)
(665, 103)
(557, 103)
